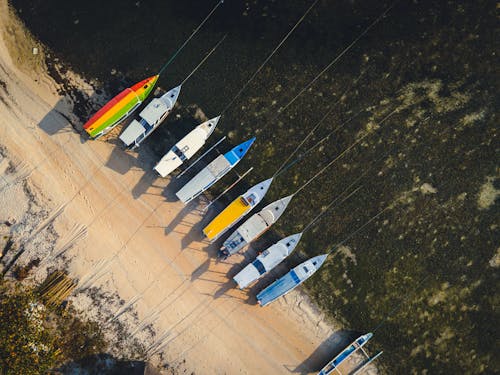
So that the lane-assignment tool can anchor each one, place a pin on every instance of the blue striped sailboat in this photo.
(291, 280)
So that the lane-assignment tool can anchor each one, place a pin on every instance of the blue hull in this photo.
(278, 288)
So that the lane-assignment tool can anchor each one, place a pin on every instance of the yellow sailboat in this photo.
(238, 208)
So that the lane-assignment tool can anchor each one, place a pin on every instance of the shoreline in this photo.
(204, 338)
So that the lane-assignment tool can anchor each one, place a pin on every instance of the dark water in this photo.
(434, 60)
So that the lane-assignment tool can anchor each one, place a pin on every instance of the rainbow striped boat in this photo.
(119, 108)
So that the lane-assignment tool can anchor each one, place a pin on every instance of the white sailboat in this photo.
(266, 261)
(150, 118)
(186, 147)
(254, 227)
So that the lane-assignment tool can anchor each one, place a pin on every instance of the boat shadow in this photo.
(173, 187)
(120, 160)
(62, 119)
(195, 233)
(325, 352)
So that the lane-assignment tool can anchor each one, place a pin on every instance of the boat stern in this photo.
(167, 164)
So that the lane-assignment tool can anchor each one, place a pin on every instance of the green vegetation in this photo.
(35, 338)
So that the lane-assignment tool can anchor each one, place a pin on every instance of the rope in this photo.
(317, 125)
(358, 230)
(334, 61)
(203, 60)
(342, 154)
(315, 220)
(190, 37)
(270, 56)
(309, 150)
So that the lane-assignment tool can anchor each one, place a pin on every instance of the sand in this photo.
(144, 273)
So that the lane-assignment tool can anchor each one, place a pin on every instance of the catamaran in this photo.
(213, 172)
(254, 227)
(119, 108)
(266, 261)
(291, 280)
(150, 118)
(345, 364)
(238, 208)
(186, 147)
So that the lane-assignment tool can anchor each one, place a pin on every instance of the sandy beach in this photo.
(144, 272)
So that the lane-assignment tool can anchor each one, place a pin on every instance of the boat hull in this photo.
(119, 108)
(279, 288)
(204, 179)
(266, 261)
(186, 147)
(151, 117)
(227, 218)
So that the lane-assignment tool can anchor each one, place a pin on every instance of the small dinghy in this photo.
(238, 208)
(291, 280)
(254, 227)
(119, 108)
(266, 261)
(186, 147)
(150, 118)
(345, 364)
(213, 172)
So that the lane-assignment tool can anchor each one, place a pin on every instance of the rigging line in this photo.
(190, 37)
(310, 149)
(358, 230)
(318, 124)
(342, 154)
(203, 60)
(399, 305)
(269, 56)
(332, 63)
(315, 220)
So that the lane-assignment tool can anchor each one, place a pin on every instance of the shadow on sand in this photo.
(328, 349)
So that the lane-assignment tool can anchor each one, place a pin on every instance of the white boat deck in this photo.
(266, 261)
(256, 225)
(151, 117)
(186, 147)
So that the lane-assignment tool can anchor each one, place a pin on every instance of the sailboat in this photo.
(119, 108)
(291, 280)
(213, 172)
(266, 261)
(238, 208)
(150, 118)
(254, 227)
(344, 364)
(186, 147)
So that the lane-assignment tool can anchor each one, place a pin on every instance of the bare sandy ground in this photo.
(139, 245)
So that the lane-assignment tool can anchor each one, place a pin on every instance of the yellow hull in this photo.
(226, 218)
